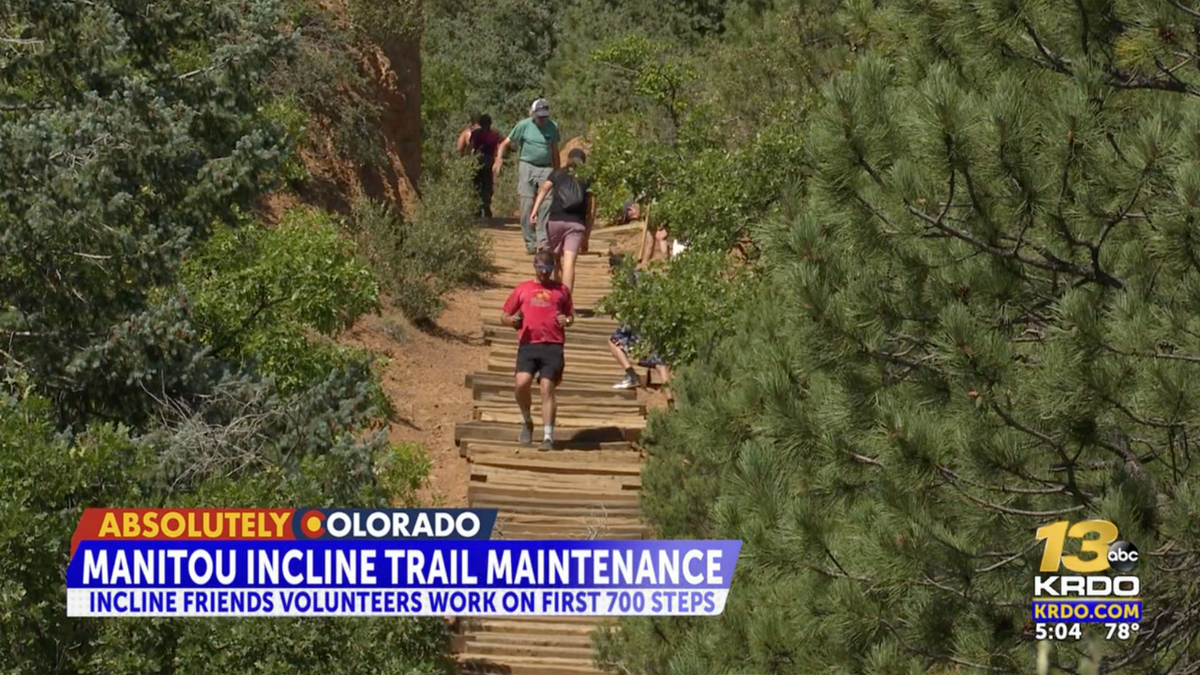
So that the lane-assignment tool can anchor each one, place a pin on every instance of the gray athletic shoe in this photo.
(547, 444)
(630, 382)
(526, 435)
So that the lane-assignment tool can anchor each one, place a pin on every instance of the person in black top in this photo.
(572, 214)
(483, 142)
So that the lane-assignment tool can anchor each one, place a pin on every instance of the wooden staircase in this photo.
(588, 489)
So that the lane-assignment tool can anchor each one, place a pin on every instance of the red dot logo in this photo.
(312, 524)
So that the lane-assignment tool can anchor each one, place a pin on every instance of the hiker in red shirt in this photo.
(539, 309)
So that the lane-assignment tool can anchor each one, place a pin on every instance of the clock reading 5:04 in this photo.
(1057, 631)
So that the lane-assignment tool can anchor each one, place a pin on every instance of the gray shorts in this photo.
(530, 178)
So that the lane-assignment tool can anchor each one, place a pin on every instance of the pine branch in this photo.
(936, 657)
(946, 471)
(1187, 10)
(1162, 424)
(1051, 262)
(1059, 64)
(1010, 558)
(1016, 512)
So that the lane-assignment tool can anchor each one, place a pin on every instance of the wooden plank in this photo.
(510, 433)
(599, 532)
(575, 452)
(619, 451)
(574, 377)
(588, 405)
(540, 464)
(565, 394)
(595, 365)
(513, 648)
(484, 665)
(559, 508)
(536, 625)
(596, 485)
(580, 421)
(492, 383)
(556, 463)
(537, 501)
(588, 491)
(579, 640)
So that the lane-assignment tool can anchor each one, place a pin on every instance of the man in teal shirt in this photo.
(537, 137)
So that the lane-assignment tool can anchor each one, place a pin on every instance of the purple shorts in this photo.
(564, 235)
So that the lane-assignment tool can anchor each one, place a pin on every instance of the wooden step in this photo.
(554, 462)
(577, 452)
(576, 378)
(501, 389)
(573, 353)
(532, 638)
(565, 405)
(592, 485)
(574, 436)
(620, 528)
(575, 420)
(493, 649)
(485, 665)
(618, 452)
(596, 372)
(577, 626)
(596, 337)
(489, 380)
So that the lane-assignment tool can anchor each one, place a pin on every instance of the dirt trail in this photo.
(424, 380)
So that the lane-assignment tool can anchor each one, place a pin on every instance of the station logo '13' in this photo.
(1097, 554)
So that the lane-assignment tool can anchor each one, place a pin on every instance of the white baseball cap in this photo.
(540, 108)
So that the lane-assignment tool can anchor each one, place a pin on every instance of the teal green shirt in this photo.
(534, 141)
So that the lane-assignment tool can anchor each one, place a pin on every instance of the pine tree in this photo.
(983, 319)
(128, 133)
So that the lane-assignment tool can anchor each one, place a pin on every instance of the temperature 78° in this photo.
(1122, 631)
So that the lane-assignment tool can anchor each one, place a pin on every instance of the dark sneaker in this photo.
(630, 382)
(547, 444)
(526, 435)
(530, 249)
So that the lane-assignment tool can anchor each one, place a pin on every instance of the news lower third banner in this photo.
(312, 562)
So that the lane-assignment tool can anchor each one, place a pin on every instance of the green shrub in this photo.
(401, 470)
(681, 306)
(261, 294)
(47, 479)
(419, 259)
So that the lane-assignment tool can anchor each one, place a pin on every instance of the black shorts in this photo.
(545, 360)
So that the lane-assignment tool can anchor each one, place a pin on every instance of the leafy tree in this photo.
(257, 295)
(979, 320)
(680, 307)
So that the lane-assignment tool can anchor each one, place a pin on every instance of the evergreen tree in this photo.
(128, 133)
(981, 320)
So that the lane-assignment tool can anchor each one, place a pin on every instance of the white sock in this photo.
(549, 429)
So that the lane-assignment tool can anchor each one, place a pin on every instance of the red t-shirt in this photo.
(540, 306)
(485, 142)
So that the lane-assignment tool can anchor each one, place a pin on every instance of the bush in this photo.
(682, 305)
(440, 248)
(401, 470)
(258, 295)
